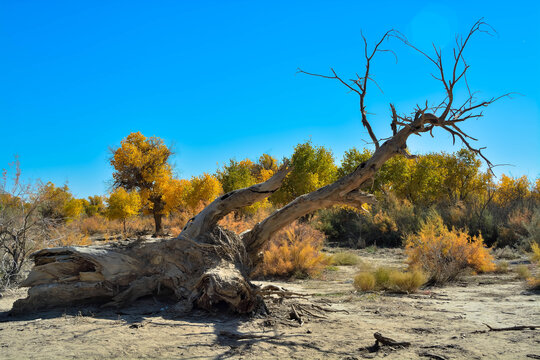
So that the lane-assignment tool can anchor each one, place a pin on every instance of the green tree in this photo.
(237, 175)
(313, 167)
(351, 159)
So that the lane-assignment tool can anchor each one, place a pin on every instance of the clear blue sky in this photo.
(217, 79)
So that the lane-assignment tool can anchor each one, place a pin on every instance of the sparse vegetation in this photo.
(502, 267)
(535, 257)
(384, 278)
(523, 272)
(344, 258)
(365, 281)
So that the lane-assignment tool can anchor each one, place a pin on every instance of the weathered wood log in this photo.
(204, 266)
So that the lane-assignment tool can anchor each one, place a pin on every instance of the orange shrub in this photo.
(74, 239)
(239, 223)
(444, 254)
(95, 225)
(294, 251)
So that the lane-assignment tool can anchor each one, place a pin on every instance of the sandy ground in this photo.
(440, 323)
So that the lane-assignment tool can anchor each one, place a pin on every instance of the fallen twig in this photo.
(270, 290)
(433, 356)
(294, 315)
(328, 310)
(509, 328)
(247, 336)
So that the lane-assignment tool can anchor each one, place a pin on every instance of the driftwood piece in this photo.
(239, 336)
(381, 340)
(432, 355)
(509, 328)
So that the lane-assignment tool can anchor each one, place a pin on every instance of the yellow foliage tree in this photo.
(141, 164)
(59, 203)
(190, 195)
(204, 189)
(123, 204)
(510, 190)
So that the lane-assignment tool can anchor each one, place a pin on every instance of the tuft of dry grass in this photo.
(344, 258)
(408, 281)
(523, 272)
(502, 267)
(384, 278)
(382, 275)
(364, 281)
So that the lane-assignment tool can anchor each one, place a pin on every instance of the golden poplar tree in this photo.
(142, 164)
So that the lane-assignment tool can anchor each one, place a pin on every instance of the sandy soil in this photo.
(440, 323)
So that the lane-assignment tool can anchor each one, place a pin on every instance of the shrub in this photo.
(535, 252)
(344, 258)
(502, 267)
(523, 272)
(384, 278)
(296, 250)
(74, 239)
(444, 254)
(95, 225)
(364, 281)
(534, 283)
(408, 281)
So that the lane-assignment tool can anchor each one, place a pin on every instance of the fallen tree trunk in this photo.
(204, 266)
(207, 266)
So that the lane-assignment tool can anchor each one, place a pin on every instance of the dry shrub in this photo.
(294, 251)
(344, 258)
(93, 225)
(74, 239)
(535, 257)
(502, 267)
(384, 278)
(236, 224)
(444, 254)
(523, 272)
(239, 223)
(534, 283)
(176, 222)
(408, 281)
(364, 281)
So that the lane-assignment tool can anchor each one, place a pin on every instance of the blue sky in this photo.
(216, 79)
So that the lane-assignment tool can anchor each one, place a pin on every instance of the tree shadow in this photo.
(225, 327)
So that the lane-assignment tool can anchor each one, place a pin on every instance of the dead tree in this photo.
(207, 266)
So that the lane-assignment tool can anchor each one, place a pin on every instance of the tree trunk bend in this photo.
(205, 266)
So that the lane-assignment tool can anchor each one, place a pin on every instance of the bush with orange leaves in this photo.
(294, 251)
(444, 254)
